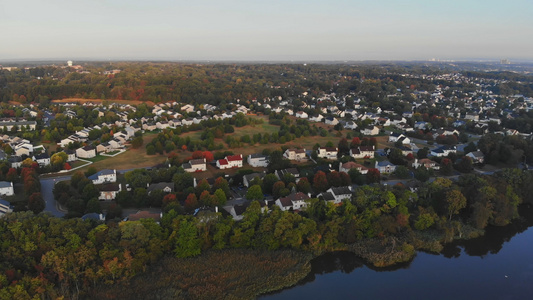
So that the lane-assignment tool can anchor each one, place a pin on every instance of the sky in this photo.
(266, 30)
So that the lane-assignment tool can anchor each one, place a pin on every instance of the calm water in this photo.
(496, 266)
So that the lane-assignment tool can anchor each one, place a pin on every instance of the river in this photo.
(496, 266)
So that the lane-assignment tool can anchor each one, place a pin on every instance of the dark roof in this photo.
(293, 197)
(343, 190)
(144, 215)
(258, 155)
(161, 186)
(240, 209)
(328, 196)
(111, 187)
(200, 161)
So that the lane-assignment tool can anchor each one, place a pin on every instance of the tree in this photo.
(221, 196)
(422, 153)
(402, 172)
(373, 176)
(455, 201)
(277, 188)
(343, 146)
(191, 202)
(208, 155)
(254, 193)
(187, 241)
(320, 182)
(303, 185)
(36, 203)
(356, 142)
(334, 179)
(446, 167)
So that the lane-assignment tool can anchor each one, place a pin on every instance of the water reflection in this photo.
(493, 240)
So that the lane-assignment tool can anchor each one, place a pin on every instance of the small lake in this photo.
(496, 266)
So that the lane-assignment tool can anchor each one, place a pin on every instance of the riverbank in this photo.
(247, 274)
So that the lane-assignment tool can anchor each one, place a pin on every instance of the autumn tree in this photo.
(320, 182)
(455, 201)
(373, 176)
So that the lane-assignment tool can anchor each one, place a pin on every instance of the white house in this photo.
(362, 152)
(195, 165)
(318, 118)
(426, 163)
(331, 121)
(477, 157)
(293, 201)
(104, 176)
(232, 161)
(109, 191)
(346, 167)
(258, 160)
(86, 152)
(5, 207)
(42, 159)
(385, 166)
(294, 154)
(301, 115)
(327, 152)
(337, 194)
(6, 188)
(372, 130)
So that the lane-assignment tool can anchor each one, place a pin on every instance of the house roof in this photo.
(161, 186)
(293, 197)
(111, 187)
(5, 184)
(328, 196)
(342, 190)
(200, 161)
(234, 158)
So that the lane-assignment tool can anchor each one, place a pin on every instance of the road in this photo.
(47, 187)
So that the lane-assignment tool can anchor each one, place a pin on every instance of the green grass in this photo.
(97, 158)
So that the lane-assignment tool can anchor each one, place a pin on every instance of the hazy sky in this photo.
(266, 29)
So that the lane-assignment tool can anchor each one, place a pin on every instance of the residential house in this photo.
(109, 191)
(71, 155)
(103, 176)
(346, 167)
(15, 161)
(86, 152)
(371, 130)
(5, 207)
(292, 171)
(258, 160)
(301, 115)
(6, 188)
(385, 167)
(362, 152)
(443, 151)
(327, 152)
(246, 179)
(42, 159)
(318, 118)
(195, 165)
(337, 194)
(166, 187)
(331, 121)
(426, 163)
(294, 154)
(350, 125)
(294, 201)
(477, 157)
(232, 161)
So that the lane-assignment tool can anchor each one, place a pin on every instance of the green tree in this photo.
(187, 240)
(254, 193)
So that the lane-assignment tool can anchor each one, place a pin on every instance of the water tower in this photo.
(69, 63)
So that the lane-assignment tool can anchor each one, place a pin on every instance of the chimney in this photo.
(216, 209)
